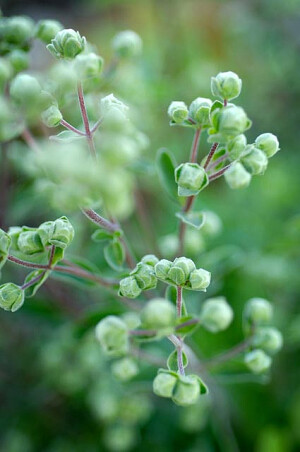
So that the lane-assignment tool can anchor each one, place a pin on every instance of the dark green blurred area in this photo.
(257, 253)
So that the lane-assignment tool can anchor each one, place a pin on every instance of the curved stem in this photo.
(219, 160)
(72, 128)
(33, 281)
(25, 263)
(100, 221)
(85, 275)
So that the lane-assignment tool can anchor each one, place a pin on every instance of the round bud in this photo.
(177, 275)
(230, 121)
(129, 287)
(268, 339)
(150, 259)
(187, 391)
(25, 89)
(237, 146)
(178, 111)
(112, 333)
(255, 161)
(46, 30)
(88, 65)
(191, 179)
(237, 177)
(111, 103)
(144, 276)
(200, 279)
(18, 59)
(5, 71)
(268, 143)
(124, 369)
(127, 44)
(158, 313)
(29, 242)
(164, 384)
(18, 29)
(226, 85)
(199, 111)
(59, 233)
(216, 314)
(11, 297)
(258, 311)
(162, 268)
(257, 361)
(5, 242)
(67, 44)
(52, 116)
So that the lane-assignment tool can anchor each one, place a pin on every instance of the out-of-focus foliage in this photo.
(56, 388)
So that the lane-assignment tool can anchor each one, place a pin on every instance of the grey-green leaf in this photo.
(166, 165)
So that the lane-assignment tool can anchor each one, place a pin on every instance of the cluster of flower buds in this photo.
(113, 335)
(127, 44)
(191, 179)
(141, 278)
(182, 272)
(32, 243)
(183, 390)
(266, 340)
(67, 44)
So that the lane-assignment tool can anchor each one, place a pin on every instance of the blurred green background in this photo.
(57, 394)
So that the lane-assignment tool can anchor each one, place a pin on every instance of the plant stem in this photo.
(29, 139)
(182, 226)
(26, 264)
(96, 125)
(219, 173)
(100, 221)
(229, 354)
(195, 146)
(180, 344)
(33, 281)
(85, 119)
(210, 155)
(219, 160)
(179, 301)
(72, 128)
(85, 275)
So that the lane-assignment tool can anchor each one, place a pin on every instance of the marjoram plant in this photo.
(89, 166)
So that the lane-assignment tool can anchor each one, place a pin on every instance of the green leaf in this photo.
(172, 362)
(194, 219)
(114, 254)
(166, 165)
(67, 136)
(203, 387)
(189, 329)
(58, 255)
(100, 234)
(31, 290)
(216, 104)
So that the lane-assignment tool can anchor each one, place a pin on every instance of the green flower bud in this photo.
(150, 259)
(110, 104)
(191, 179)
(164, 384)
(5, 71)
(216, 314)
(199, 110)
(46, 30)
(162, 268)
(112, 333)
(132, 320)
(52, 116)
(5, 242)
(59, 232)
(226, 85)
(18, 29)
(18, 59)
(181, 270)
(29, 242)
(25, 89)
(236, 147)
(268, 143)
(11, 297)
(268, 339)
(88, 65)
(258, 311)
(127, 44)
(129, 287)
(200, 279)
(257, 361)
(237, 177)
(228, 122)
(255, 161)
(158, 313)
(67, 44)
(187, 391)
(178, 111)
(125, 369)
(144, 276)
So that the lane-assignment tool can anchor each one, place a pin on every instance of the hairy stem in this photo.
(218, 161)
(210, 155)
(219, 173)
(72, 128)
(33, 281)
(85, 119)
(100, 221)
(195, 146)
